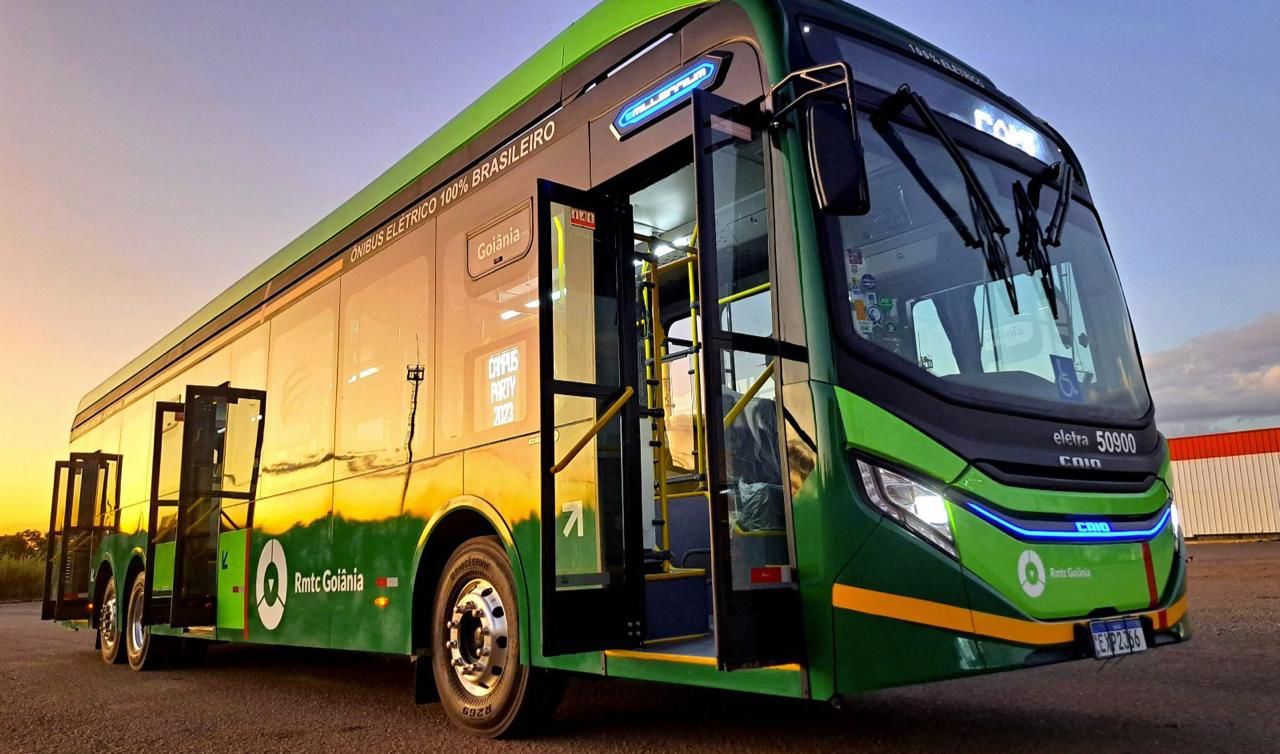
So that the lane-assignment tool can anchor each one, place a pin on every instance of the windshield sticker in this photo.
(1064, 370)
(868, 282)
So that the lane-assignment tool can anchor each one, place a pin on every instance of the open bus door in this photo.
(204, 482)
(162, 516)
(756, 602)
(592, 540)
(85, 508)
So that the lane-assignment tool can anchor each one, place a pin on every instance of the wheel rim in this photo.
(137, 632)
(107, 617)
(476, 637)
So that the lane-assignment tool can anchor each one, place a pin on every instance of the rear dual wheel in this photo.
(475, 652)
(109, 624)
(144, 651)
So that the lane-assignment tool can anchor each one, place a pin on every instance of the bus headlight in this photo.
(1175, 519)
(919, 507)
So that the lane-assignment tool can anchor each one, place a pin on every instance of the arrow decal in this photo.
(574, 509)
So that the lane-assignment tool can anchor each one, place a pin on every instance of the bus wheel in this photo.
(145, 652)
(109, 624)
(475, 653)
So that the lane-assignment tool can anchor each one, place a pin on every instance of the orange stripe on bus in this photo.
(952, 618)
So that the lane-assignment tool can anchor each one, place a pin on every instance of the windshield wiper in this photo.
(1065, 176)
(1032, 242)
(987, 223)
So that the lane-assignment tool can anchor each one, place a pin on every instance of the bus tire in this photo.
(109, 624)
(144, 651)
(475, 652)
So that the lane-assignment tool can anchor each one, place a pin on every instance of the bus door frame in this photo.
(753, 627)
(608, 614)
(166, 608)
(57, 603)
(157, 607)
(197, 485)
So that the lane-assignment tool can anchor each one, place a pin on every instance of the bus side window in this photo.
(386, 337)
(487, 310)
(488, 331)
(298, 443)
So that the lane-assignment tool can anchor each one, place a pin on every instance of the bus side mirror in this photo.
(836, 163)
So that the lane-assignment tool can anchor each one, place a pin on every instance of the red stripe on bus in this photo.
(1151, 574)
(245, 591)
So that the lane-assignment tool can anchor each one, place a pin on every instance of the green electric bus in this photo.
(479, 416)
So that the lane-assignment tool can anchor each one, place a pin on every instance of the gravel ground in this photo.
(1220, 692)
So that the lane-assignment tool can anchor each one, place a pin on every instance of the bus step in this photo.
(681, 478)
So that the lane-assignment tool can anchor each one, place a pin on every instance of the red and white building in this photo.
(1228, 484)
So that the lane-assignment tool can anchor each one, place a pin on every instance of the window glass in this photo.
(918, 292)
(488, 358)
(383, 405)
(88, 442)
(744, 290)
(298, 444)
(680, 393)
(137, 427)
(744, 404)
(109, 440)
(214, 369)
(170, 468)
(248, 368)
(886, 70)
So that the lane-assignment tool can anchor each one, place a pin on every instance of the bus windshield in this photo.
(924, 302)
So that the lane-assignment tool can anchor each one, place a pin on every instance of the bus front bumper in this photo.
(920, 622)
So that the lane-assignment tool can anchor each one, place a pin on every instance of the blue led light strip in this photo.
(1070, 536)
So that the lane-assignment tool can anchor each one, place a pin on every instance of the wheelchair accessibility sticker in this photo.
(1064, 376)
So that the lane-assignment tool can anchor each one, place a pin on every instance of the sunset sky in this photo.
(152, 153)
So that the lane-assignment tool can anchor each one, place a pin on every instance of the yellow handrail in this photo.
(627, 394)
(747, 396)
(744, 294)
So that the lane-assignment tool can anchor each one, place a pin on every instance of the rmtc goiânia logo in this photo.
(272, 584)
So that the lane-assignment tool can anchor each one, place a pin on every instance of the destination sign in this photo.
(493, 165)
(501, 242)
(666, 97)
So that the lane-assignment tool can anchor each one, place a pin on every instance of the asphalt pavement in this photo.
(1219, 692)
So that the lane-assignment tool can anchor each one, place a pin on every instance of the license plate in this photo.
(1117, 637)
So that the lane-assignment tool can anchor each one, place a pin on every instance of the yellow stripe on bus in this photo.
(963, 620)
(631, 654)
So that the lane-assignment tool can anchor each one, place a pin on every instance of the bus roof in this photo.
(602, 24)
